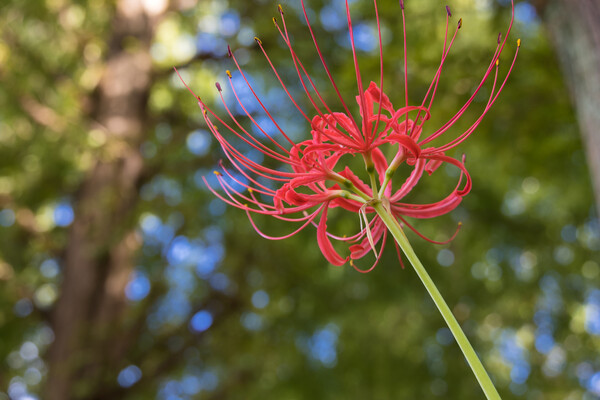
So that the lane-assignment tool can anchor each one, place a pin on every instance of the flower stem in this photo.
(370, 166)
(480, 373)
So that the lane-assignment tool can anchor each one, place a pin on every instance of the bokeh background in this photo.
(123, 277)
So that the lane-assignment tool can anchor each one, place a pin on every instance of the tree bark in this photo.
(99, 256)
(574, 27)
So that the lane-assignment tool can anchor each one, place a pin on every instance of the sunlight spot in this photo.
(129, 376)
(201, 321)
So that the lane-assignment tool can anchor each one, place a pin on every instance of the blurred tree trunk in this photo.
(574, 27)
(99, 256)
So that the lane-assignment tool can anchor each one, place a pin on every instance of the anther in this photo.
(218, 86)
(497, 62)
(257, 40)
(448, 11)
(228, 72)
(402, 4)
(460, 23)
(250, 190)
(274, 21)
(217, 173)
(280, 9)
(499, 37)
(229, 53)
(518, 42)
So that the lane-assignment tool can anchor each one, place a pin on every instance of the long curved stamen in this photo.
(497, 54)
(258, 188)
(405, 63)
(365, 271)
(186, 85)
(230, 150)
(281, 82)
(232, 201)
(304, 225)
(412, 228)
(354, 238)
(251, 118)
(253, 142)
(257, 99)
(327, 71)
(235, 194)
(434, 84)
(491, 102)
(375, 130)
(300, 66)
(463, 109)
(366, 127)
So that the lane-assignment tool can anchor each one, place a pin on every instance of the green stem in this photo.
(370, 166)
(480, 373)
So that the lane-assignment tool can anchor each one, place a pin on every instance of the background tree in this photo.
(575, 35)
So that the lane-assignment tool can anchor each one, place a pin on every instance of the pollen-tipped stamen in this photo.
(375, 129)
(258, 99)
(281, 81)
(327, 71)
(366, 128)
(252, 141)
(300, 66)
(434, 84)
(462, 110)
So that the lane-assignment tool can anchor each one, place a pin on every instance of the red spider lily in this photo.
(317, 180)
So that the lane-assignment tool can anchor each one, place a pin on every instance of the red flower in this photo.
(316, 180)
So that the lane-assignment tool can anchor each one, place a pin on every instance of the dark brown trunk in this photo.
(574, 27)
(99, 256)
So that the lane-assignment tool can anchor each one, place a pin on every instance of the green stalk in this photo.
(480, 373)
